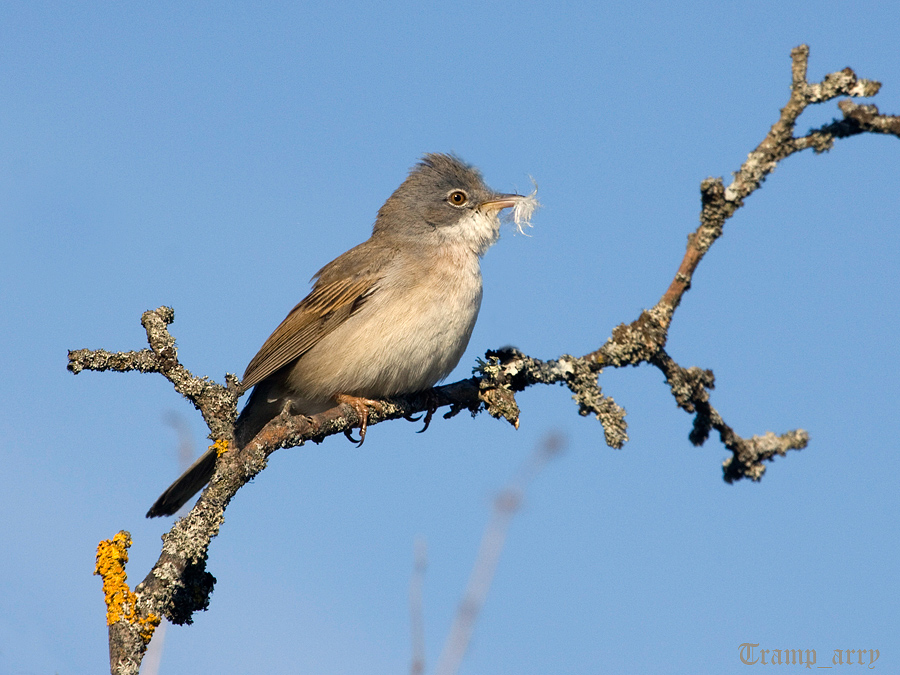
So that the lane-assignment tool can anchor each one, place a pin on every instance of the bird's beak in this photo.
(501, 202)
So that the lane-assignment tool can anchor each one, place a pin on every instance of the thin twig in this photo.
(506, 504)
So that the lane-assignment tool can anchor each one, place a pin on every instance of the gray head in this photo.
(444, 200)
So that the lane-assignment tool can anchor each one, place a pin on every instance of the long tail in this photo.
(186, 486)
(255, 415)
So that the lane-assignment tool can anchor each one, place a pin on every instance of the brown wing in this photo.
(342, 287)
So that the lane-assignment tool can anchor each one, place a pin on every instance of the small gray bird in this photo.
(390, 316)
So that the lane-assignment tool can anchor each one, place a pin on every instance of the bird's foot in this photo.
(432, 404)
(361, 406)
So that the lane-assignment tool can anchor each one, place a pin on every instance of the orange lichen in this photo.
(121, 602)
(220, 446)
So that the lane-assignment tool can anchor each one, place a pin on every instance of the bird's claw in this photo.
(349, 434)
(433, 404)
(361, 408)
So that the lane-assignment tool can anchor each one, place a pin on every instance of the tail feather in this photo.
(255, 415)
(266, 402)
(185, 487)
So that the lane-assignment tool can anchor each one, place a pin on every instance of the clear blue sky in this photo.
(213, 156)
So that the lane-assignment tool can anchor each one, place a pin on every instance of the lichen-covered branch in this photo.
(179, 584)
(217, 403)
(644, 340)
(131, 622)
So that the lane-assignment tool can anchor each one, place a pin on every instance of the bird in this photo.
(390, 316)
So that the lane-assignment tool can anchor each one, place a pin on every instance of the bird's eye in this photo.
(458, 198)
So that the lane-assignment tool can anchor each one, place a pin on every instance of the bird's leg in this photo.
(361, 406)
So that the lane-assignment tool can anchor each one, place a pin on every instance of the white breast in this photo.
(407, 336)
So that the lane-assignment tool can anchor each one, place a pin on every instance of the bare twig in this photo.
(506, 504)
(416, 611)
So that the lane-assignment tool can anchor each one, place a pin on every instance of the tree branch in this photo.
(179, 585)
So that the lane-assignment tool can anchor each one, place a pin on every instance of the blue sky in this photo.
(212, 157)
